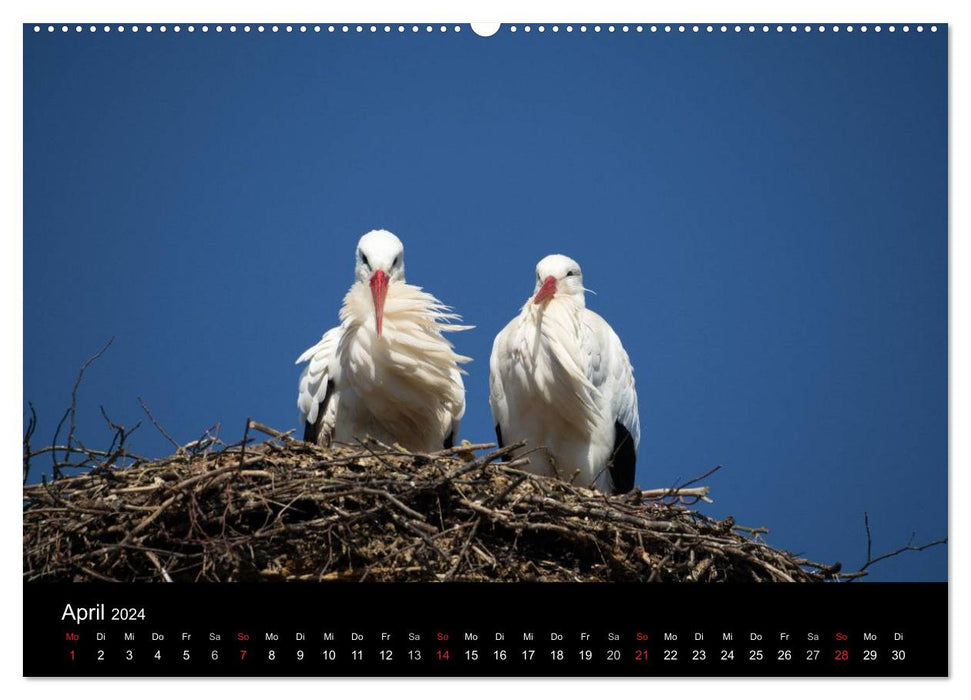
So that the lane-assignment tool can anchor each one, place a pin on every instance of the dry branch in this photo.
(287, 510)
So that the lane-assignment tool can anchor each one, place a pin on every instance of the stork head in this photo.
(380, 259)
(558, 275)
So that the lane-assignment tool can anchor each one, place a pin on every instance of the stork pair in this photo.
(559, 377)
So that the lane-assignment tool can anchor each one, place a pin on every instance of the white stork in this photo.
(561, 380)
(386, 371)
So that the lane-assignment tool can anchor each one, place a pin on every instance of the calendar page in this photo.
(544, 349)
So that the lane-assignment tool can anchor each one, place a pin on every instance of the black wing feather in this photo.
(504, 458)
(311, 431)
(624, 460)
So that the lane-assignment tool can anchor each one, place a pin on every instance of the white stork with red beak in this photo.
(561, 380)
(386, 371)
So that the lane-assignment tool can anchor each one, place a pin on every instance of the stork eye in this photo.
(395, 263)
(364, 260)
(570, 273)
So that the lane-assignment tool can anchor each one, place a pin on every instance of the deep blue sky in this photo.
(763, 218)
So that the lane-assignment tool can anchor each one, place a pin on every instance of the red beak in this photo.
(379, 290)
(547, 291)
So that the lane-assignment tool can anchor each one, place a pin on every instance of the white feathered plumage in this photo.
(386, 371)
(561, 380)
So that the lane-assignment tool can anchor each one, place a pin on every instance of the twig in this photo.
(465, 548)
(158, 425)
(158, 565)
(56, 466)
(267, 430)
(28, 434)
(871, 560)
(869, 537)
(242, 451)
(77, 384)
(458, 449)
(697, 478)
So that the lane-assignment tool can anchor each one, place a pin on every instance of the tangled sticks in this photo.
(288, 510)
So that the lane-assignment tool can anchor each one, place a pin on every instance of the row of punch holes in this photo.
(513, 28)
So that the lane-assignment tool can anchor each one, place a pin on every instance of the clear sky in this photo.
(763, 218)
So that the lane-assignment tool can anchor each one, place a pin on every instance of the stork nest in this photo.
(285, 510)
